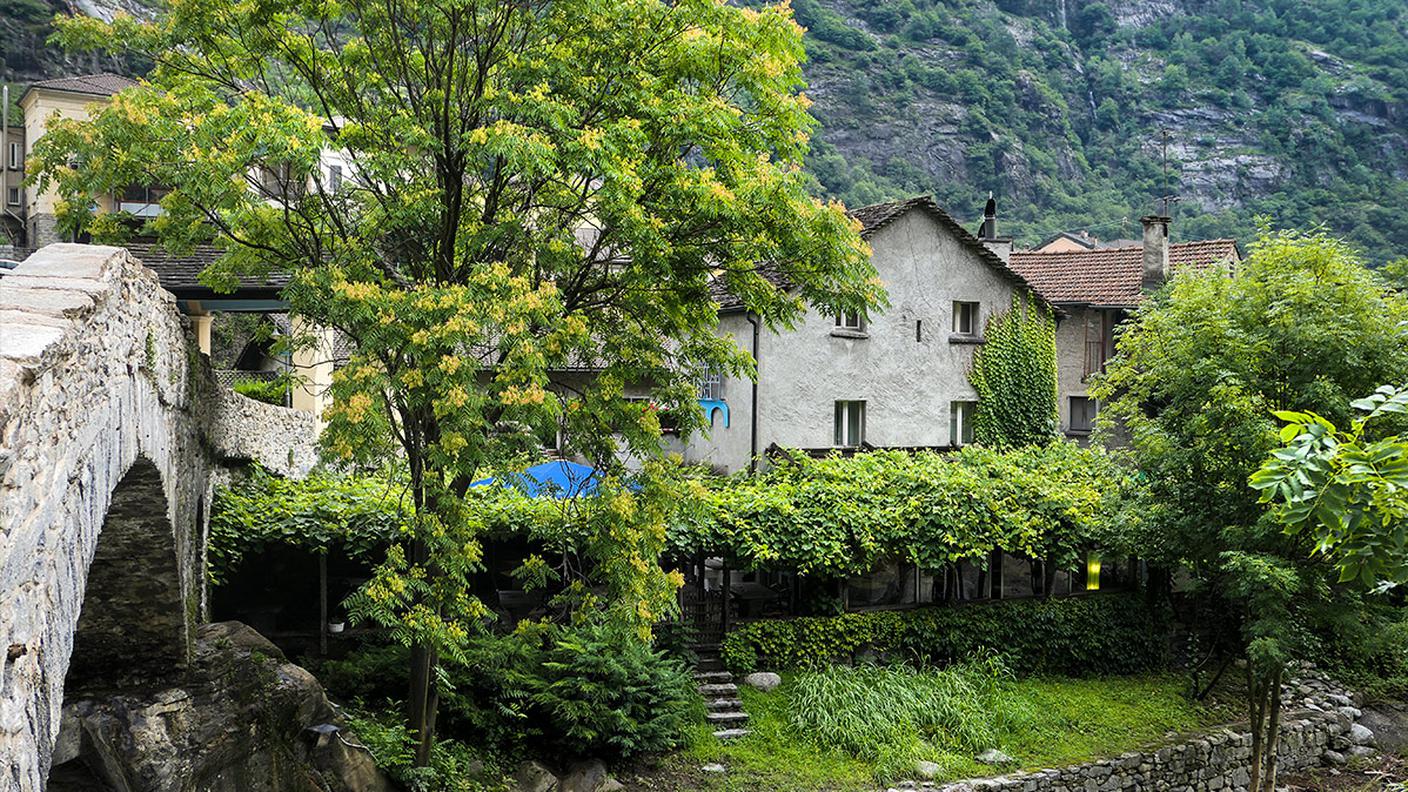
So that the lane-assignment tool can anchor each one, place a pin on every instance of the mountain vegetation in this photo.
(1291, 110)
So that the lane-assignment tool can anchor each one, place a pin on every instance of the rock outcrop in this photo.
(241, 718)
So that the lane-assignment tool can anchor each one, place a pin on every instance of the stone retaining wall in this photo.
(1322, 730)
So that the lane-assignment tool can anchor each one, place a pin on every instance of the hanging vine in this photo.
(1014, 374)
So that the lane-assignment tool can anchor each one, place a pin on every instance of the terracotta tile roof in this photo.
(875, 217)
(1111, 277)
(101, 84)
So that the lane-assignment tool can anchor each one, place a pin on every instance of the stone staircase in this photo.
(720, 696)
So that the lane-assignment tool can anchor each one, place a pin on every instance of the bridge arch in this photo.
(133, 619)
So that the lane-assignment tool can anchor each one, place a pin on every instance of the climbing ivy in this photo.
(1014, 374)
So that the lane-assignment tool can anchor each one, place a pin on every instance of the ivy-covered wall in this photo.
(1014, 374)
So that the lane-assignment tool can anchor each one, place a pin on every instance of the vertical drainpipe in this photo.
(5, 149)
(753, 421)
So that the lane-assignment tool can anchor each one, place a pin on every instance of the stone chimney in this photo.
(1155, 251)
(1002, 246)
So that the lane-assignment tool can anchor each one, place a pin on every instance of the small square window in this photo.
(711, 386)
(1083, 412)
(850, 424)
(960, 422)
(965, 318)
(850, 321)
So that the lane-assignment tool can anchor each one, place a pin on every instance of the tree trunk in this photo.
(1264, 700)
(1255, 703)
(421, 707)
(1273, 732)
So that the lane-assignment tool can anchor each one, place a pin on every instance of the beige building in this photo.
(32, 223)
(62, 97)
(1097, 285)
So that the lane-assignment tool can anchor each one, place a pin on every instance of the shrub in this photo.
(589, 690)
(1076, 636)
(453, 767)
(274, 391)
(607, 693)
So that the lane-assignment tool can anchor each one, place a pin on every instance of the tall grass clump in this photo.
(895, 716)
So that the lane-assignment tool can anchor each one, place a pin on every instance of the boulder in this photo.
(1332, 758)
(762, 680)
(927, 770)
(240, 719)
(1359, 734)
(993, 756)
(533, 777)
(1362, 751)
(714, 768)
(585, 777)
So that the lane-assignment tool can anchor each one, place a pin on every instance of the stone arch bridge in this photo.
(113, 434)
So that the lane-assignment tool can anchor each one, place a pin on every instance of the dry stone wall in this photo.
(1322, 729)
(104, 399)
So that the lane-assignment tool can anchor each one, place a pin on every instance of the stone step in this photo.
(713, 677)
(711, 691)
(735, 718)
(722, 704)
(709, 664)
(730, 734)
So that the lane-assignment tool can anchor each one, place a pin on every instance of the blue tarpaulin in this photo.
(558, 479)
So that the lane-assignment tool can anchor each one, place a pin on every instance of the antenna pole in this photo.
(1163, 133)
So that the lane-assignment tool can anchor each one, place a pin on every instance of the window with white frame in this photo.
(14, 197)
(711, 386)
(1083, 412)
(965, 318)
(334, 178)
(16, 157)
(850, 424)
(850, 321)
(960, 422)
(141, 200)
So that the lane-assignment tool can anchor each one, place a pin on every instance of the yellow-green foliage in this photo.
(1014, 373)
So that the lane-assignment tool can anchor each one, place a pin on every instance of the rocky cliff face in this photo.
(26, 55)
(1079, 114)
(238, 721)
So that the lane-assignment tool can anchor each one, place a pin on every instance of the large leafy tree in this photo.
(1301, 324)
(1347, 488)
(532, 188)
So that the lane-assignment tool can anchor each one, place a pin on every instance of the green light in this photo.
(1092, 572)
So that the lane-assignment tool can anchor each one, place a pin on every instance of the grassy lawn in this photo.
(1042, 722)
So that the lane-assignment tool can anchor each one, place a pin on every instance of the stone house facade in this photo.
(1097, 286)
(895, 379)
